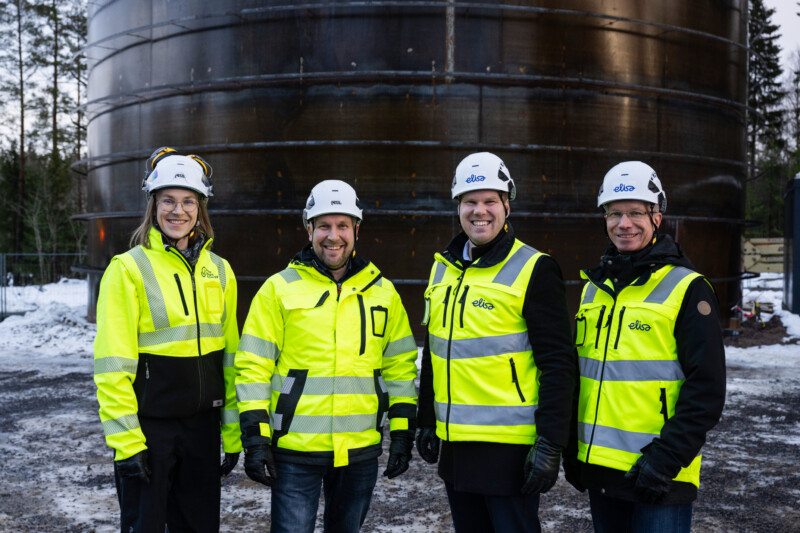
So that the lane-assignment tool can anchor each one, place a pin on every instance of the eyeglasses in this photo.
(616, 216)
(189, 205)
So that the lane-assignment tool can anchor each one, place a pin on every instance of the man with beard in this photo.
(326, 355)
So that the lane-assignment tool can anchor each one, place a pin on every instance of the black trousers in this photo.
(487, 513)
(184, 490)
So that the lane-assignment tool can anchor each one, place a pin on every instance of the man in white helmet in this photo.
(498, 362)
(326, 356)
(652, 366)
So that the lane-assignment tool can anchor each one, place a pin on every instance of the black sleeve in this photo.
(702, 356)
(426, 416)
(549, 330)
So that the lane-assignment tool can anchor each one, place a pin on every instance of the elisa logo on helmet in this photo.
(475, 179)
(624, 188)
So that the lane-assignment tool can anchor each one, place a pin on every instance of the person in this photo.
(326, 356)
(163, 356)
(652, 366)
(498, 362)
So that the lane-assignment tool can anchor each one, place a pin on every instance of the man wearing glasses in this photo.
(652, 366)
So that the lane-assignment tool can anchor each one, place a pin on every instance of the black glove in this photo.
(428, 444)
(257, 457)
(399, 452)
(572, 473)
(541, 466)
(228, 463)
(650, 485)
(134, 467)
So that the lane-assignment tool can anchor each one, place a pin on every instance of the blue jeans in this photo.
(348, 492)
(612, 515)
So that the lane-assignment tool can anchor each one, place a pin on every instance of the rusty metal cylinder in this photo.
(390, 95)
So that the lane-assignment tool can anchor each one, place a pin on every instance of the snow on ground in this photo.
(56, 472)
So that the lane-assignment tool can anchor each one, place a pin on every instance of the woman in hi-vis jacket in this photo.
(163, 356)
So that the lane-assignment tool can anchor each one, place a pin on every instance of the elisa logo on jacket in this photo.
(639, 325)
(483, 304)
(206, 273)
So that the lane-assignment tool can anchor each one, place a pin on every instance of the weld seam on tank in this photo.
(270, 80)
(113, 158)
(447, 4)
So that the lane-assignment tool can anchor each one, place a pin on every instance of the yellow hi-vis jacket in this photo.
(166, 340)
(319, 369)
(630, 373)
(485, 381)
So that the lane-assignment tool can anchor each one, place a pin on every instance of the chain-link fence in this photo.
(28, 281)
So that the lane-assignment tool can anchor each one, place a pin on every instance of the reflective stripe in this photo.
(511, 269)
(258, 346)
(405, 389)
(228, 360)
(120, 425)
(481, 346)
(400, 346)
(229, 416)
(438, 275)
(332, 424)
(252, 392)
(382, 384)
(277, 420)
(487, 415)
(155, 299)
(290, 275)
(287, 386)
(588, 296)
(631, 370)
(179, 333)
(665, 287)
(617, 439)
(115, 364)
(217, 260)
(326, 386)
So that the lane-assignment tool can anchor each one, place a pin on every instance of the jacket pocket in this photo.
(515, 380)
(580, 330)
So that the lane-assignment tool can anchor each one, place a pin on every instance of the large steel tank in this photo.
(390, 95)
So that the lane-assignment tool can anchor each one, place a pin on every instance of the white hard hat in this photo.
(481, 171)
(632, 180)
(332, 197)
(166, 168)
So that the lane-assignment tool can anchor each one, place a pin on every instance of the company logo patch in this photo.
(473, 179)
(180, 175)
(336, 202)
(206, 273)
(483, 304)
(639, 325)
(624, 188)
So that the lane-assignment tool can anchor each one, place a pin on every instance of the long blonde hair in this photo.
(141, 235)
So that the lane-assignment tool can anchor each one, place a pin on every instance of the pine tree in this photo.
(766, 143)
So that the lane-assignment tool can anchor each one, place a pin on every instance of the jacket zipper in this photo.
(463, 301)
(515, 380)
(602, 372)
(619, 328)
(197, 329)
(363, 324)
(449, 347)
(446, 300)
(599, 325)
(180, 290)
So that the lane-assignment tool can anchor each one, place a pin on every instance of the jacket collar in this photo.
(624, 269)
(487, 255)
(156, 239)
(309, 259)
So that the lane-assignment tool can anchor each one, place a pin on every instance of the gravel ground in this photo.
(56, 475)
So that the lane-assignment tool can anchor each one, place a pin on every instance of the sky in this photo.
(786, 17)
